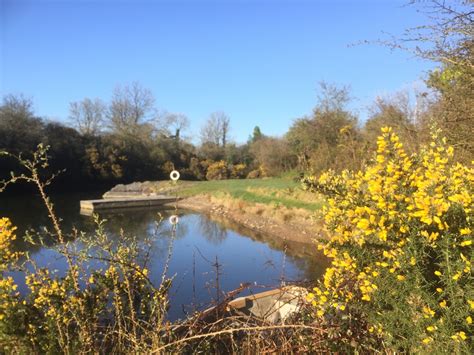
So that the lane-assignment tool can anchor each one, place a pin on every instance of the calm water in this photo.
(198, 242)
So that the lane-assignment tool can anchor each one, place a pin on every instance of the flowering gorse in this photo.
(117, 303)
(107, 308)
(9, 296)
(401, 234)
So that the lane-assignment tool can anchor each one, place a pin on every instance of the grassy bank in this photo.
(278, 191)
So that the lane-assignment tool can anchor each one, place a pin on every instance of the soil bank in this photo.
(258, 218)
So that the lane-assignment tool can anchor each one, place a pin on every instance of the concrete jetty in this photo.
(89, 206)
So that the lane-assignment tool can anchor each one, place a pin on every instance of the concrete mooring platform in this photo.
(89, 206)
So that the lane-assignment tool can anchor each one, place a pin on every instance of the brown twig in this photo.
(233, 330)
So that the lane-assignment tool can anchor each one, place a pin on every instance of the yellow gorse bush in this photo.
(103, 300)
(56, 315)
(8, 289)
(7, 236)
(401, 246)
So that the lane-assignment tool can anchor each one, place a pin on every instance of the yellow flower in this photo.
(433, 236)
(428, 312)
(394, 211)
(469, 320)
(461, 335)
(456, 276)
(363, 224)
(426, 219)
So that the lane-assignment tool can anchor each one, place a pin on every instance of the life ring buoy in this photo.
(174, 175)
(174, 220)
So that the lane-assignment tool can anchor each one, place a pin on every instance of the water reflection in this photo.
(196, 244)
(141, 223)
(213, 232)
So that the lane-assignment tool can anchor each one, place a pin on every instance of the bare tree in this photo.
(175, 123)
(210, 132)
(216, 130)
(16, 106)
(224, 127)
(447, 36)
(332, 98)
(20, 129)
(132, 105)
(87, 116)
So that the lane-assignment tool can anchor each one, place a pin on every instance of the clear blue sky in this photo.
(259, 61)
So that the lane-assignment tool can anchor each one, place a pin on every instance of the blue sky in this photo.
(259, 61)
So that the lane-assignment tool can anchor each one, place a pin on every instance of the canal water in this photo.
(190, 252)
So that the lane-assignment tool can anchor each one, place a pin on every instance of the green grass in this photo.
(272, 191)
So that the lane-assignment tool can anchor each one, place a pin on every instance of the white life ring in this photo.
(174, 220)
(174, 175)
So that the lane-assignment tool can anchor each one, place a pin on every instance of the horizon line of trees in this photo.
(125, 140)
(129, 139)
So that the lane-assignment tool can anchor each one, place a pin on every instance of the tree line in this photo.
(129, 139)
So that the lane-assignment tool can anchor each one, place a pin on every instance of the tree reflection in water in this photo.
(212, 231)
(199, 242)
